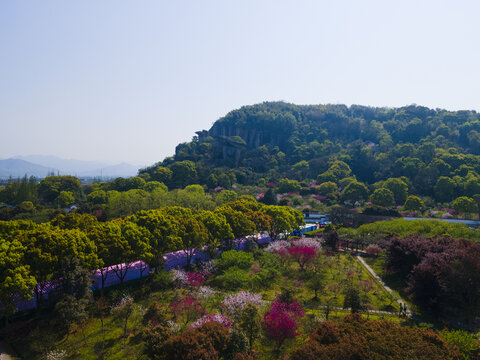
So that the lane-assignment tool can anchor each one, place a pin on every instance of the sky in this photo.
(127, 81)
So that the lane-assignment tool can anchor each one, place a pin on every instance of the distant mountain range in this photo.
(41, 165)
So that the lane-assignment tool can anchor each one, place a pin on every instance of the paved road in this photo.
(348, 309)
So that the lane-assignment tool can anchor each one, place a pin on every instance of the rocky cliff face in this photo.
(252, 136)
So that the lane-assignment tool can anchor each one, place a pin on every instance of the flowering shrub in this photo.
(180, 278)
(205, 292)
(207, 268)
(312, 243)
(220, 318)
(281, 322)
(56, 355)
(283, 252)
(173, 326)
(255, 268)
(195, 279)
(373, 249)
(235, 303)
(188, 307)
(275, 246)
(302, 254)
(125, 301)
(366, 285)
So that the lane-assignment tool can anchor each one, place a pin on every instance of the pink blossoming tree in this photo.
(280, 323)
(302, 254)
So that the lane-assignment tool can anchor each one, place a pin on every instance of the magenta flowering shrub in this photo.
(302, 255)
(187, 308)
(217, 317)
(283, 252)
(235, 303)
(195, 279)
(281, 322)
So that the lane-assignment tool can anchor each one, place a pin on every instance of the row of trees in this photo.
(31, 253)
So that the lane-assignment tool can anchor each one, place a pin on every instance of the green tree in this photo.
(352, 300)
(355, 191)
(288, 185)
(225, 196)
(47, 247)
(250, 323)
(183, 173)
(97, 197)
(382, 197)
(217, 226)
(133, 245)
(472, 187)
(163, 229)
(51, 186)
(444, 189)
(464, 205)
(301, 169)
(283, 220)
(465, 342)
(399, 189)
(65, 198)
(108, 238)
(122, 311)
(327, 188)
(476, 198)
(71, 310)
(317, 274)
(239, 222)
(269, 198)
(15, 276)
(192, 235)
(413, 203)
(338, 170)
(162, 174)
(155, 186)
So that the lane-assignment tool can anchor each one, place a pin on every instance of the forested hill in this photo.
(277, 140)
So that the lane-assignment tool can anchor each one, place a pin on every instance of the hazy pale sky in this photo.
(129, 80)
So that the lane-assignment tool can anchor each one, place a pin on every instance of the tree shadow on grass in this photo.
(104, 348)
(136, 339)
